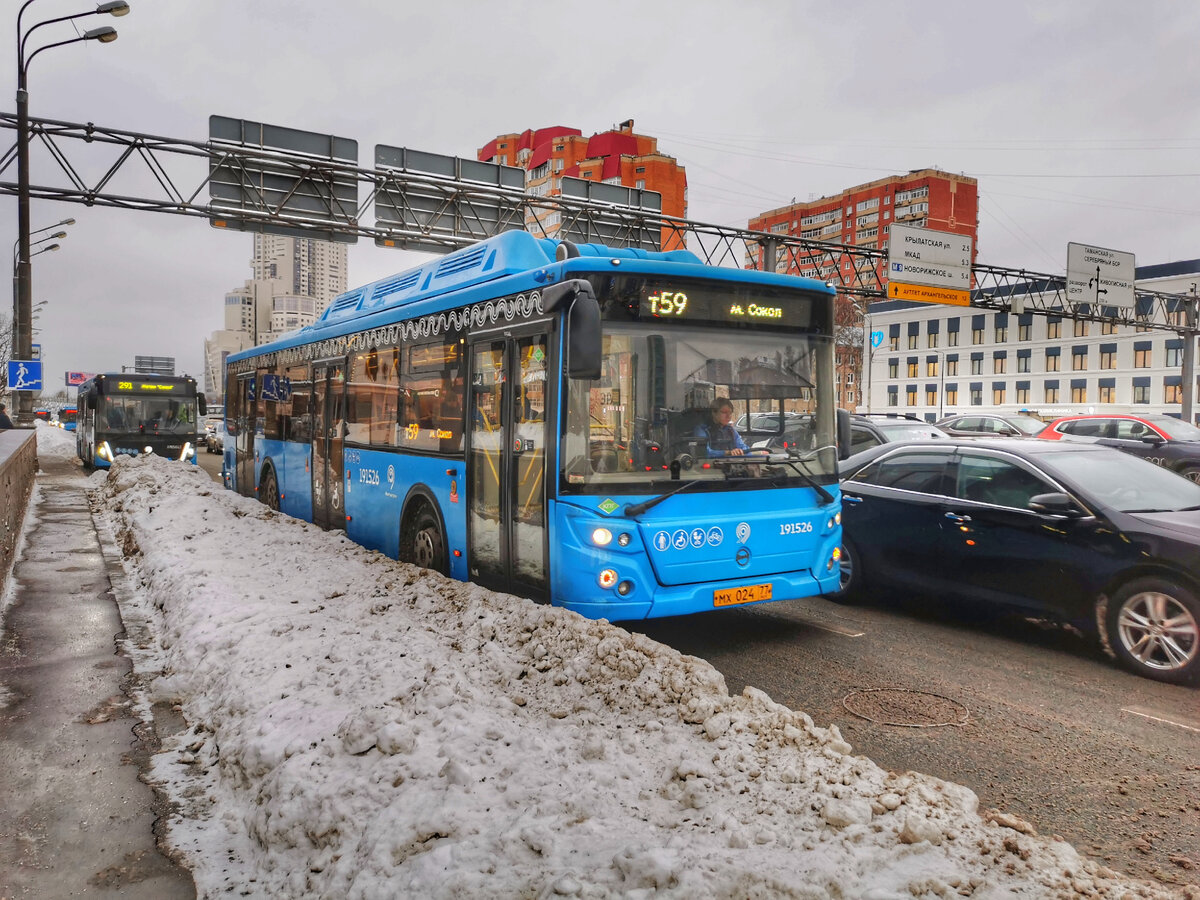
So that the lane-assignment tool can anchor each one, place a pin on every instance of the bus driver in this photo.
(723, 439)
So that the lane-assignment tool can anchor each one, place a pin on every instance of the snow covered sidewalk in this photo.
(361, 728)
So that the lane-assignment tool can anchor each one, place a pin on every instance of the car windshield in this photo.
(909, 431)
(1123, 482)
(1175, 429)
(647, 422)
(1027, 425)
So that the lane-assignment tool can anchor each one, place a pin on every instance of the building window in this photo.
(999, 365)
(893, 399)
(1141, 358)
(1108, 359)
(930, 396)
(912, 369)
(1108, 328)
(1078, 362)
(640, 170)
(1022, 363)
(952, 396)
(911, 397)
(952, 339)
(997, 396)
(977, 367)
(977, 396)
(641, 185)
(894, 342)
(893, 368)
(1001, 334)
(952, 367)
(977, 336)
(1053, 330)
(1051, 394)
(931, 368)
(1024, 332)
(1174, 357)
(1108, 394)
(1172, 393)
(933, 339)
(1022, 395)
(1177, 317)
(1078, 394)
(912, 342)
(1052, 363)
(1141, 393)
(1081, 328)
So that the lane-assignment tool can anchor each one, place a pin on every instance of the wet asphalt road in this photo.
(1054, 733)
(74, 817)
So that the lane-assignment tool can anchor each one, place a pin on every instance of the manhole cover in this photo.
(911, 709)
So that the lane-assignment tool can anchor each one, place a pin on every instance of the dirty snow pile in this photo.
(360, 728)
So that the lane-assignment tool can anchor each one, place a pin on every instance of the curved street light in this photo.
(22, 340)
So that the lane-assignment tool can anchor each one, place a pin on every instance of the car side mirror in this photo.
(1056, 504)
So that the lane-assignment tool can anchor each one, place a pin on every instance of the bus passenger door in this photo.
(506, 464)
(243, 440)
(329, 431)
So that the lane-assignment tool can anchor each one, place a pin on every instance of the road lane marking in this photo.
(1158, 718)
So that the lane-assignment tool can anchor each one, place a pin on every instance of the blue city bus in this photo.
(67, 417)
(119, 414)
(532, 415)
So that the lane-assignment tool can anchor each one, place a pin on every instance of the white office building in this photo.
(933, 361)
(293, 281)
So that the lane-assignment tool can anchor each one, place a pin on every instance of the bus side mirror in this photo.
(203, 405)
(582, 324)
(843, 433)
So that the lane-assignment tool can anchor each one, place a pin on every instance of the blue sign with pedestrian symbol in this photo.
(24, 375)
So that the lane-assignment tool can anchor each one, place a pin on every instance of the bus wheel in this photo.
(421, 541)
(268, 491)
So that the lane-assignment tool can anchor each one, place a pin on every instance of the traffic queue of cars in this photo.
(1077, 527)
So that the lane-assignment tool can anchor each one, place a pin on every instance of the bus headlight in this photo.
(834, 559)
(607, 578)
(601, 537)
(187, 452)
(834, 521)
(147, 449)
(104, 451)
(624, 538)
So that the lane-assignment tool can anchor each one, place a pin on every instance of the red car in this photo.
(1166, 441)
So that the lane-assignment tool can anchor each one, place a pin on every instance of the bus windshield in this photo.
(147, 415)
(647, 420)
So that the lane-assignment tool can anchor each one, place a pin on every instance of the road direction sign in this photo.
(24, 375)
(933, 258)
(1099, 276)
(926, 294)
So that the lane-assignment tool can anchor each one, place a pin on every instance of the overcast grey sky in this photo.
(1078, 119)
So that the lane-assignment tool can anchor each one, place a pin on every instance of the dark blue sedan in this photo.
(1105, 541)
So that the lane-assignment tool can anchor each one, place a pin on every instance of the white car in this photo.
(214, 439)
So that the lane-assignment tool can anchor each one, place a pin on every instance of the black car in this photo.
(979, 425)
(1087, 534)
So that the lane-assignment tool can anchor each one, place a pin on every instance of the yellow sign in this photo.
(925, 294)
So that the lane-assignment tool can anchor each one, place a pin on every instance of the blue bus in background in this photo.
(123, 414)
(534, 416)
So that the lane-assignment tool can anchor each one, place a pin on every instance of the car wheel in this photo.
(421, 542)
(1191, 473)
(853, 577)
(268, 491)
(1152, 626)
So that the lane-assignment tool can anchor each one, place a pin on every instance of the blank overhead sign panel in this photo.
(1096, 275)
(621, 223)
(449, 209)
(319, 189)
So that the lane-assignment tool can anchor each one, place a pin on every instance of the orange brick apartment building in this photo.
(619, 156)
(862, 216)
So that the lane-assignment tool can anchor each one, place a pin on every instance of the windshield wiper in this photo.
(636, 509)
(826, 497)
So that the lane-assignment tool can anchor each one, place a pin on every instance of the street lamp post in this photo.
(22, 325)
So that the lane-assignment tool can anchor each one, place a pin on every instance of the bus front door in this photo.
(506, 460)
(329, 431)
